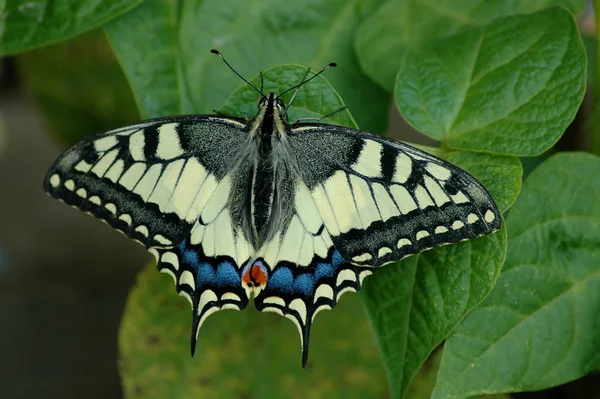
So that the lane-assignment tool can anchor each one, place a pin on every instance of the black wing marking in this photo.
(382, 200)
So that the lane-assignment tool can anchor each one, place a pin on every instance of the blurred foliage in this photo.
(79, 87)
(2, 137)
(590, 44)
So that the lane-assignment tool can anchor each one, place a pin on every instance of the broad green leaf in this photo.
(242, 354)
(311, 102)
(511, 87)
(164, 50)
(414, 304)
(400, 25)
(539, 326)
(501, 175)
(25, 24)
(79, 87)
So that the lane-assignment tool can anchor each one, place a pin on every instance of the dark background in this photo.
(64, 276)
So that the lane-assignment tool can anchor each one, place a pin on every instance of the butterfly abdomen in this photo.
(262, 198)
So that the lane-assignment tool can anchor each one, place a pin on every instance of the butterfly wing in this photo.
(307, 272)
(361, 201)
(166, 183)
(382, 200)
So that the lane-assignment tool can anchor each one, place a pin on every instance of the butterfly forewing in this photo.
(382, 200)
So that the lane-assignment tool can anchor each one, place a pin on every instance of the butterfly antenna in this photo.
(234, 71)
(303, 82)
(287, 107)
(262, 82)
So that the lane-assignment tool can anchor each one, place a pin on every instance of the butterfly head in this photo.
(271, 98)
(254, 277)
(264, 101)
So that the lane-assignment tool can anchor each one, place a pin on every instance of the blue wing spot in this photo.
(227, 275)
(304, 284)
(206, 274)
(327, 270)
(323, 270)
(282, 279)
(336, 259)
(189, 256)
(182, 246)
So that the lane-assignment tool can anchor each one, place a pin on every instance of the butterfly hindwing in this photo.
(382, 200)
(206, 265)
(304, 272)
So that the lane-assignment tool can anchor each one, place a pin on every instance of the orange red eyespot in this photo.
(255, 275)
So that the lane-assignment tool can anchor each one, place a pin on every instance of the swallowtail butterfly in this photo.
(291, 214)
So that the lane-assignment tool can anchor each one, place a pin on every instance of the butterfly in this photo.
(292, 215)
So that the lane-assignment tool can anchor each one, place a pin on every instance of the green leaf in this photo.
(400, 25)
(79, 87)
(415, 303)
(511, 87)
(25, 24)
(539, 326)
(311, 102)
(241, 354)
(164, 50)
(501, 175)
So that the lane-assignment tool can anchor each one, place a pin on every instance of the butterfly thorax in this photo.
(268, 196)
